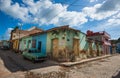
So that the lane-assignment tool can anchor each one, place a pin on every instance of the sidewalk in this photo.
(68, 64)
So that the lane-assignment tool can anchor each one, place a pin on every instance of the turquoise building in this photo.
(34, 41)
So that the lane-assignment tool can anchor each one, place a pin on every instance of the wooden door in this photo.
(90, 49)
(55, 48)
(76, 47)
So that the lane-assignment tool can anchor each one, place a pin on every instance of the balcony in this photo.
(106, 35)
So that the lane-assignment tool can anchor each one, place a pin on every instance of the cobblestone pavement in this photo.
(12, 65)
(104, 68)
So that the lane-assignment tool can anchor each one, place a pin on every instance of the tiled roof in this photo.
(62, 27)
(26, 32)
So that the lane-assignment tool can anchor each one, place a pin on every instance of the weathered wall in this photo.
(66, 44)
(43, 39)
(97, 37)
(24, 46)
(51, 35)
(40, 37)
(15, 44)
(83, 42)
(83, 45)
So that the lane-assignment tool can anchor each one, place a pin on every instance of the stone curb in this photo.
(69, 64)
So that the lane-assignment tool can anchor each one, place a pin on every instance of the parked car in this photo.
(4, 47)
(34, 55)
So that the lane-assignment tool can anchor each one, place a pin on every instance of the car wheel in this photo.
(24, 58)
(33, 60)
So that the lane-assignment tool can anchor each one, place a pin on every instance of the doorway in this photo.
(76, 46)
(55, 48)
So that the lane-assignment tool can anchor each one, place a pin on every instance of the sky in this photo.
(95, 15)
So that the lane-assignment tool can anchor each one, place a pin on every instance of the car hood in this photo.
(35, 54)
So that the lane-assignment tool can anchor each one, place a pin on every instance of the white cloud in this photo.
(7, 33)
(42, 12)
(94, 15)
(72, 18)
(14, 10)
(110, 5)
(93, 0)
(115, 19)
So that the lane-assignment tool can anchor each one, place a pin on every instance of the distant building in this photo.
(118, 45)
(103, 37)
(113, 47)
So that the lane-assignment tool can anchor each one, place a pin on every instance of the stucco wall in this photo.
(43, 39)
(40, 37)
(83, 45)
(83, 42)
(51, 36)
(25, 46)
(15, 44)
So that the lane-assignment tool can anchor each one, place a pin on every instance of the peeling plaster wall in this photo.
(83, 42)
(15, 44)
(61, 41)
(25, 46)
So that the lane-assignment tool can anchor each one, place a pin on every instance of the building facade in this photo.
(17, 35)
(65, 43)
(103, 37)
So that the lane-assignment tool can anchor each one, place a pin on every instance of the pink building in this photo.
(103, 37)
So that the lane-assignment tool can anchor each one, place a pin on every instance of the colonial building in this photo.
(17, 34)
(103, 37)
(65, 43)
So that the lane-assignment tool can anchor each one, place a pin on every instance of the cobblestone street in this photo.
(12, 65)
(104, 68)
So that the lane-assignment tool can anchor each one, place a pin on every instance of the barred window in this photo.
(24, 41)
(29, 41)
(33, 43)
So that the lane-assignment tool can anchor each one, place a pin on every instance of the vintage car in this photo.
(4, 48)
(34, 55)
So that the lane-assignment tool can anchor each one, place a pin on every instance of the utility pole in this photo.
(20, 28)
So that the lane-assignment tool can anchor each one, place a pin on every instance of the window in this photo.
(24, 41)
(39, 46)
(33, 43)
(29, 41)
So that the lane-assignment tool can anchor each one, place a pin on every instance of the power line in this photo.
(63, 10)
(50, 11)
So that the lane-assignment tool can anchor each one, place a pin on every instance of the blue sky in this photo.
(95, 15)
